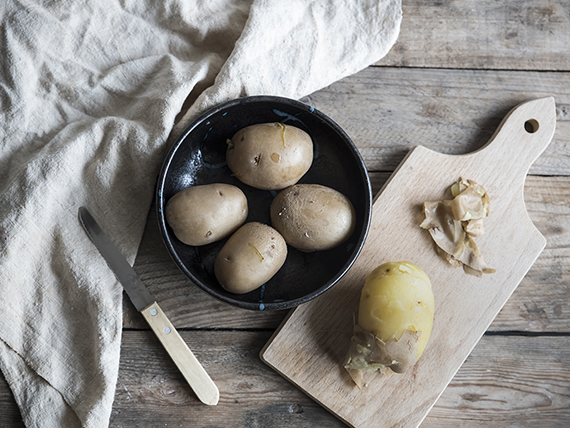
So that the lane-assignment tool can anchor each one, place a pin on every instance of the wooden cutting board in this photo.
(310, 346)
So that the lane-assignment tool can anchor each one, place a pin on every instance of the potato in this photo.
(270, 156)
(395, 319)
(396, 297)
(250, 258)
(312, 217)
(204, 214)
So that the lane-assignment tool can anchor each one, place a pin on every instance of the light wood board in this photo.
(310, 346)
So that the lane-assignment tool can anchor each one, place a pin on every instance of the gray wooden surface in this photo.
(456, 70)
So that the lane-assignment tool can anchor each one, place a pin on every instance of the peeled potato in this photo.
(270, 156)
(396, 297)
(395, 320)
(200, 215)
(250, 258)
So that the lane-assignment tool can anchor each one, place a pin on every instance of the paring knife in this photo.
(182, 356)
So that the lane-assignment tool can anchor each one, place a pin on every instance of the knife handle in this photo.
(189, 366)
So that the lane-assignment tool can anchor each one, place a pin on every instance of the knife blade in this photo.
(196, 376)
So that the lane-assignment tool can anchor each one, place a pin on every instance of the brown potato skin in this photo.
(250, 258)
(270, 156)
(312, 217)
(200, 215)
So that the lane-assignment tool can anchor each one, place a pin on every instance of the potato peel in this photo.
(369, 354)
(454, 223)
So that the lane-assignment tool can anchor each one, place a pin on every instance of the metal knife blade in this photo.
(126, 275)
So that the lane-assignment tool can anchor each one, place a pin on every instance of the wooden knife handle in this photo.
(182, 356)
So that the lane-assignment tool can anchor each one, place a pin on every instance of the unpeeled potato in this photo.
(250, 258)
(200, 215)
(312, 217)
(396, 297)
(270, 156)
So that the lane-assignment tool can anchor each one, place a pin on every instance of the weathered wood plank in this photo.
(150, 389)
(510, 381)
(506, 381)
(540, 302)
(388, 111)
(9, 412)
(514, 35)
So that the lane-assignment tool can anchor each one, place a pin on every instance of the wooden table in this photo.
(456, 70)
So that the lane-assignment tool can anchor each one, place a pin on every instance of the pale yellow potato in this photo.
(250, 258)
(397, 296)
(200, 215)
(270, 156)
(312, 217)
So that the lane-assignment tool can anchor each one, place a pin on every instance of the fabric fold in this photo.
(90, 93)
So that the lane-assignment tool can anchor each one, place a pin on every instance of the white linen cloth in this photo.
(90, 91)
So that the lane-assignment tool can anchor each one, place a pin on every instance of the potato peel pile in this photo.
(454, 223)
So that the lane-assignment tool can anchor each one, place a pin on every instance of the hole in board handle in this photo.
(531, 126)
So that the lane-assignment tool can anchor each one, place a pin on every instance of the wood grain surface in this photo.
(509, 370)
(486, 34)
(457, 68)
(389, 111)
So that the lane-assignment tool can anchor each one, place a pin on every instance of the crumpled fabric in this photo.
(90, 91)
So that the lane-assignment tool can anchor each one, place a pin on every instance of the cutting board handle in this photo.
(520, 138)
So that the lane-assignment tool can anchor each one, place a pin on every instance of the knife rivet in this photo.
(167, 330)
(153, 312)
